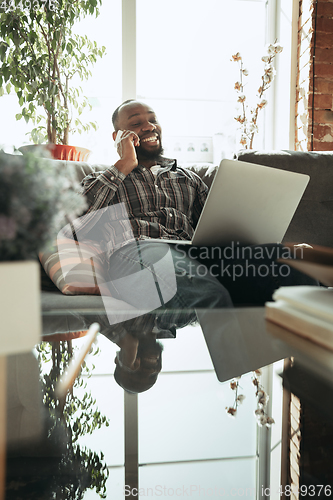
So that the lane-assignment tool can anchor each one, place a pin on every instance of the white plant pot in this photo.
(20, 309)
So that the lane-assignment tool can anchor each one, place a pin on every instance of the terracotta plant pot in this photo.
(58, 151)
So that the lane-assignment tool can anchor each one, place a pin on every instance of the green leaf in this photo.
(8, 87)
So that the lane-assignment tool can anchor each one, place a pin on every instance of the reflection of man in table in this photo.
(164, 201)
(139, 361)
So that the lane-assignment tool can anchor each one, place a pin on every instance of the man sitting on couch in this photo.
(164, 201)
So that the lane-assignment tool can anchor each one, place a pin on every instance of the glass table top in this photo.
(210, 422)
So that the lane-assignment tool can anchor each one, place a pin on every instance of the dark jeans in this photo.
(150, 274)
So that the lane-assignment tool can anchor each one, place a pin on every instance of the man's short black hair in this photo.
(116, 112)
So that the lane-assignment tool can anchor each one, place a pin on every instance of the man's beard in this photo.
(143, 154)
(149, 346)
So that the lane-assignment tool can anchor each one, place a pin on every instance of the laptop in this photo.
(248, 203)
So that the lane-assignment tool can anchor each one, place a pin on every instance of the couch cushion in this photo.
(206, 171)
(313, 220)
(71, 268)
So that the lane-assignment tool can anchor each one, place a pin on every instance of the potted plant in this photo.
(35, 201)
(42, 60)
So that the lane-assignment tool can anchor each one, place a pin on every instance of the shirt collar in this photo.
(167, 163)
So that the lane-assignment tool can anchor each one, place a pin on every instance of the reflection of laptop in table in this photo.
(238, 342)
(248, 203)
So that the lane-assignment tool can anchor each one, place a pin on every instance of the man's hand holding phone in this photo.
(125, 143)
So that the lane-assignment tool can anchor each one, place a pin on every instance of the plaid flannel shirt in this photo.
(167, 206)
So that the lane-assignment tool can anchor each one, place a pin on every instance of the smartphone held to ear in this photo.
(121, 135)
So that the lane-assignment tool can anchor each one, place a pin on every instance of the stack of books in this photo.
(307, 310)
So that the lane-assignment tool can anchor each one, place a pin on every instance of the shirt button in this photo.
(171, 215)
(156, 185)
(144, 169)
(112, 177)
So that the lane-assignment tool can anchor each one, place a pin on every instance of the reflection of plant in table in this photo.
(249, 127)
(80, 469)
(262, 399)
(77, 416)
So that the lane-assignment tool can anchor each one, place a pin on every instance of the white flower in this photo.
(274, 48)
(245, 72)
(270, 71)
(270, 48)
(265, 59)
(241, 98)
(277, 48)
(262, 104)
(240, 398)
(262, 420)
(253, 128)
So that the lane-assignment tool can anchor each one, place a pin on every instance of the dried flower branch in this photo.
(250, 127)
(239, 398)
(262, 398)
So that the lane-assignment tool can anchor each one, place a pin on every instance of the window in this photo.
(184, 70)
(178, 61)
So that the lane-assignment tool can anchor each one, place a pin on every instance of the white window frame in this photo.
(276, 120)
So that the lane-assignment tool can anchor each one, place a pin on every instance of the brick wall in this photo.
(315, 65)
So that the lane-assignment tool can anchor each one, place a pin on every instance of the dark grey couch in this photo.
(313, 220)
(312, 223)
